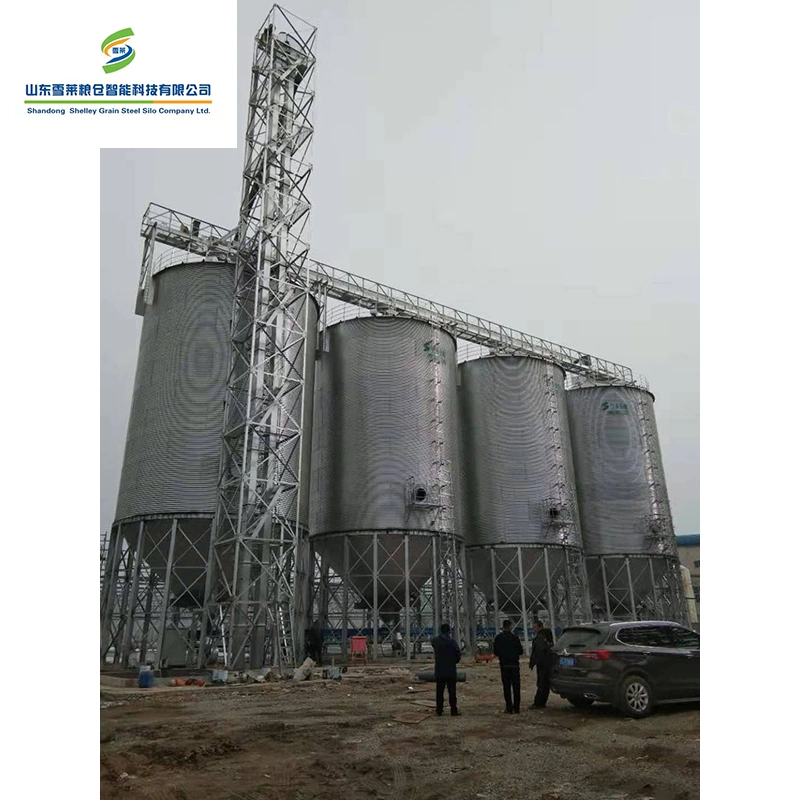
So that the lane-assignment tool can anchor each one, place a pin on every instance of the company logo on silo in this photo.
(434, 352)
(614, 408)
(121, 53)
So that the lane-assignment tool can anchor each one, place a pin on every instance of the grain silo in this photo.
(625, 515)
(168, 488)
(519, 508)
(385, 454)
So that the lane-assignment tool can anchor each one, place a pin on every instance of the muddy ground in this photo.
(329, 740)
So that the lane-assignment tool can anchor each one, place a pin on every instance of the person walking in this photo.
(447, 654)
(542, 659)
(508, 649)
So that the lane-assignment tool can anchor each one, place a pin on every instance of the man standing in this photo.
(542, 659)
(447, 655)
(316, 640)
(508, 649)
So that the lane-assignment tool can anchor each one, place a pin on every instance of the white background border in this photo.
(50, 324)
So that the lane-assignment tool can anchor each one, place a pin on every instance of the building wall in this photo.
(689, 556)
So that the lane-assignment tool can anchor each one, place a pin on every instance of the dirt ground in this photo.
(332, 740)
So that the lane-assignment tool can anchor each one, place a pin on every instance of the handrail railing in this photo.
(204, 239)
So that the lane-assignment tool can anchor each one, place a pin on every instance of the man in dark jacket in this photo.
(542, 659)
(508, 649)
(447, 654)
(316, 641)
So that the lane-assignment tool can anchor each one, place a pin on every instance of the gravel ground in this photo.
(331, 740)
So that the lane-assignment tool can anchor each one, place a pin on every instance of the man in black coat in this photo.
(542, 659)
(447, 655)
(508, 649)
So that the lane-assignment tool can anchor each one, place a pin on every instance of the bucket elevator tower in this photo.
(259, 552)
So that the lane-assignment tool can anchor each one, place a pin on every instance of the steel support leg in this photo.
(437, 608)
(630, 588)
(568, 587)
(127, 639)
(375, 602)
(109, 590)
(165, 600)
(523, 600)
(407, 581)
(465, 595)
(494, 592)
(551, 607)
(345, 598)
(148, 616)
(656, 594)
(605, 587)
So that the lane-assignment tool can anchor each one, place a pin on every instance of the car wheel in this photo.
(635, 697)
(580, 702)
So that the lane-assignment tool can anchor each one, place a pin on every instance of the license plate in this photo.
(566, 662)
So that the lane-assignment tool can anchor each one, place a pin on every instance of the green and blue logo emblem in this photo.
(121, 54)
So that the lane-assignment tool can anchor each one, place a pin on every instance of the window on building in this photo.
(697, 564)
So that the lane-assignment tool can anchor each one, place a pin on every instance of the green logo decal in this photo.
(121, 54)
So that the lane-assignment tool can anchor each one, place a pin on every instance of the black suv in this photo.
(632, 665)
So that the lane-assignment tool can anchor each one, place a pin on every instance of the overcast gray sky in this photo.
(535, 163)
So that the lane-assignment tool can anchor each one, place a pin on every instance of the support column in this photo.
(127, 639)
(345, 597)
(118, 634)
(165, 600)
(109, 590)
(148, 615)
(522, 600)
(630, 587)
(656, 599)
(259, 637)
(375, 602)
(605, 587)
(211, 567)
(466, 596)
(550, 606)
(407, 581)
(494, 592)
(437, 608)
(568, 587)
(455, 595)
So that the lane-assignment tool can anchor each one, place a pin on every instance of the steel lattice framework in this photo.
(259, 547)
(205, 240)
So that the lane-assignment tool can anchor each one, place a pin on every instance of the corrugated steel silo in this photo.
(168, 489)
(519, 507)
(627, 525)
(172, 453)
(384, 456)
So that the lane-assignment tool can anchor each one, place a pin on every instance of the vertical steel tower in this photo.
(259, 547)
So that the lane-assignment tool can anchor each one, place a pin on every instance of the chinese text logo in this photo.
(121, 54)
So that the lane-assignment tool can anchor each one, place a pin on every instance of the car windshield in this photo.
(576, 639)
